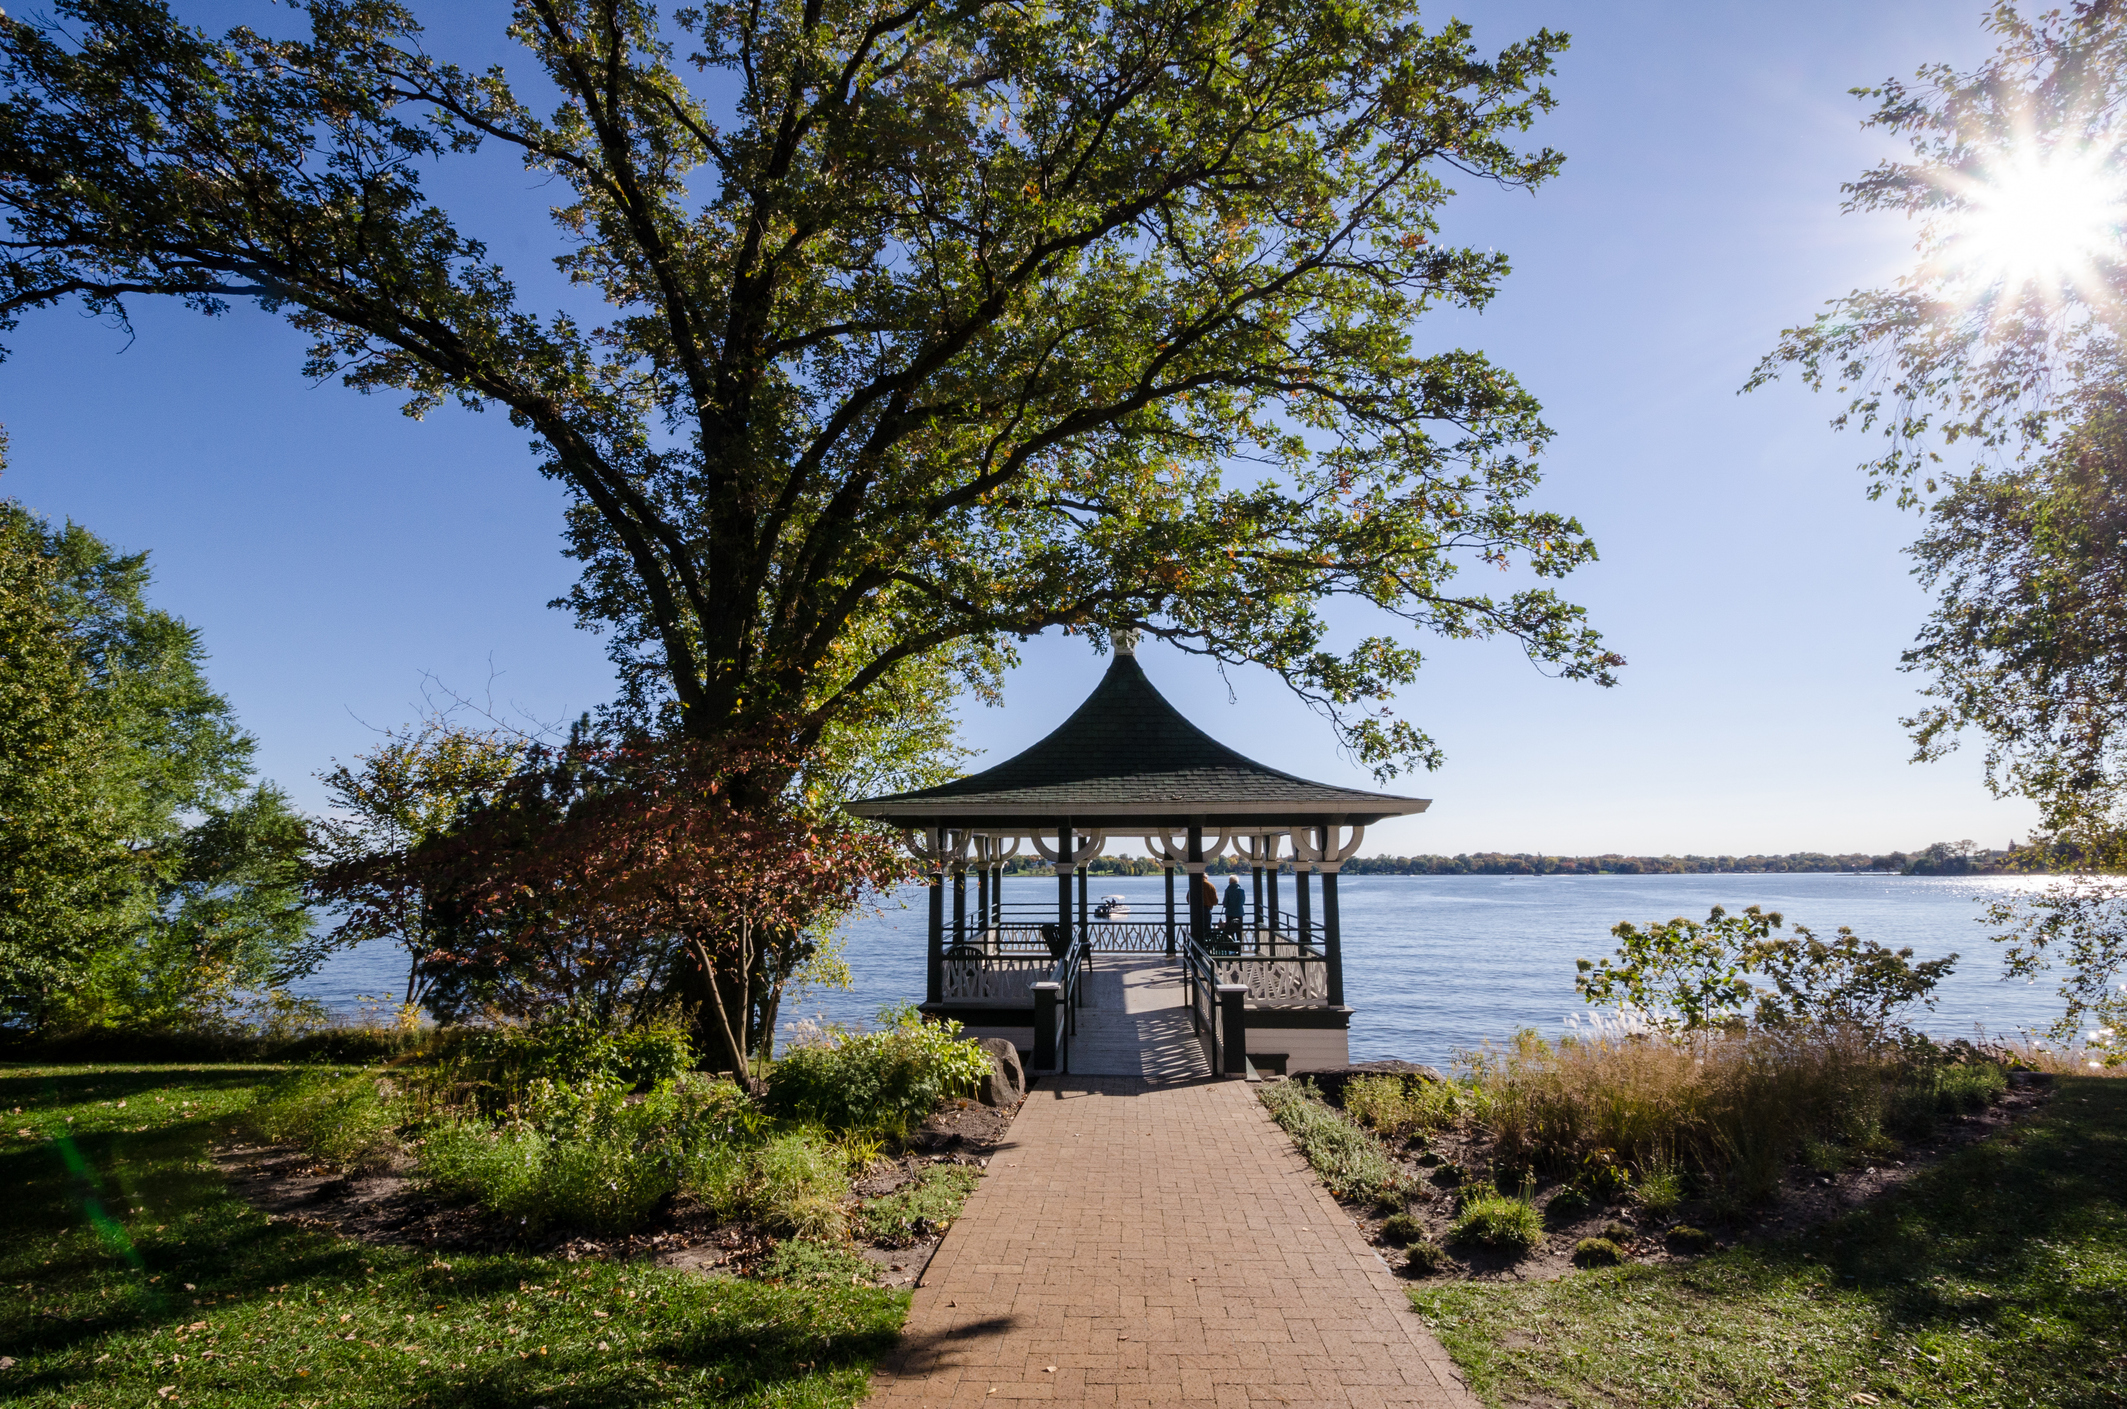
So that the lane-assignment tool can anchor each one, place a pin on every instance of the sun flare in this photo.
(2044, 220)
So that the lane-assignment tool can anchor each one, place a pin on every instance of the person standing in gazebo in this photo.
(1203, 900)
(1236, 907)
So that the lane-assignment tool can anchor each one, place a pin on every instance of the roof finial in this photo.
(1125, 638)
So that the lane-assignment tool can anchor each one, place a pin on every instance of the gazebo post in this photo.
(982, 894)
(1255, 876)
(1170, 910)
(1085, 924)
(934, 962)
(1193, 865)
(1271, 884)
(1300, 868)
(1065, 836)
(1332, 939)
(960, 893)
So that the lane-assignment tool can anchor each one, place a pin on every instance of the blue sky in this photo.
(335, 553)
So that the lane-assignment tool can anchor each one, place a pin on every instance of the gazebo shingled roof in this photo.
(1126, 757)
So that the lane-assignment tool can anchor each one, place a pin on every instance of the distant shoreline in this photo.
(1941, 859)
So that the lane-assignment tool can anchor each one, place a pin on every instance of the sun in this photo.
(2044, 220)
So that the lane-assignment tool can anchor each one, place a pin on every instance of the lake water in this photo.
(1434, 963)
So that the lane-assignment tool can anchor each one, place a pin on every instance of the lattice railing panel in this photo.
(1277, 980)
(995, 979)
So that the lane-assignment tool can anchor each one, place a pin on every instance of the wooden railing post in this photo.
(1048, 1000)
(1233, 1028)
(1170, 911)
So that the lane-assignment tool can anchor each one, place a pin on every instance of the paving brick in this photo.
(1160, 1243)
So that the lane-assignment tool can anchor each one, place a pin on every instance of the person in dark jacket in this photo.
(1203, 900)
(1236, 908)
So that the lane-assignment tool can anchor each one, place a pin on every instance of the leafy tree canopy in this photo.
(924, 326)
(149, 878)
(2006, 339)
(1685, 976)
(63, 861)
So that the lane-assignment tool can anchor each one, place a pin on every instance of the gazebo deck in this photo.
(1135, 1022)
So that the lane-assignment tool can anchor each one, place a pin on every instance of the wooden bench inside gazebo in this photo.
(1179, 994)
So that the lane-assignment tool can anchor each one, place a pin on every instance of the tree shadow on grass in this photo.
(2021, 1239)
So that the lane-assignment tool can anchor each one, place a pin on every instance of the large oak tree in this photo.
(918, 325)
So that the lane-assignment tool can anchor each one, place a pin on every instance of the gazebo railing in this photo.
(1271, 980)
(1026, 932)
(979, 976)
(1217, 1011)
(1056, 1003)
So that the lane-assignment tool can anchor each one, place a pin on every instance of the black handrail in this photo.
(1203, 994)
(1069, 974)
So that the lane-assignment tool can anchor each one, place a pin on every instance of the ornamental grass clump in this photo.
(1350, 1160)
(1502, 1222)
(1734, 1105)
(1402, 1229)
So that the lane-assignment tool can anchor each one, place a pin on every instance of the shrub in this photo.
(1402, 1105)
(1401, 1230)
(1426, 1257)
(1499, 1221)
(797, 1187)
(1822, 1156)
(575, 1049)
(1597, 1252)
(1687, 1239)
(1350, 1160)
(1660, 1191)
(887, 1080)
(1568, 1205)
(718, 1176)
(350, 1121)
(810, 1262)
(1602, 1176)
(471, 1159)
(583, 1154)
(928, 1204)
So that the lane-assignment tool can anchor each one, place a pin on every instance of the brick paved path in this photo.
(1155, 1243)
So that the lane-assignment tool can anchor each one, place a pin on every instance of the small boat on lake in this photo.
(1111, 907)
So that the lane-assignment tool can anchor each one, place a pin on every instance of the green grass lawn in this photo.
(1997, 1278)
(132, 1277)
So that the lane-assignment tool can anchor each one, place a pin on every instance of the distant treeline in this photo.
(1941, 859)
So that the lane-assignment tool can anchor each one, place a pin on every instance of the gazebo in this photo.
(1126, 763)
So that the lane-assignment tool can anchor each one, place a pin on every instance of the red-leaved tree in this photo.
(602, 875)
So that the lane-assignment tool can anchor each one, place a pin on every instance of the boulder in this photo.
(1006, 1085)
(1330, 1080)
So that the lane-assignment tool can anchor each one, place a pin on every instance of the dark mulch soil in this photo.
(389, 1206)
(1806, 1198)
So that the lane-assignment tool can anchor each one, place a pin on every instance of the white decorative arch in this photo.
(1176, 853)
(1084, 847)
